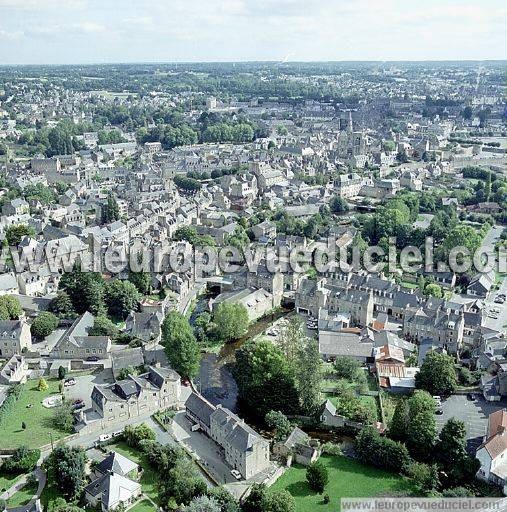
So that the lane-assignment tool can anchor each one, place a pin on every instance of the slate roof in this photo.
(117, 463)
(200, 408)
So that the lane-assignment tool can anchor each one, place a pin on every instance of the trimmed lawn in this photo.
(149, 478)
(143, 506)
(347, 478)
(7, 481)
(38, 419)
(23, 496)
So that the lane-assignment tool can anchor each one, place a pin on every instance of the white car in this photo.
(104, 437)
(236, 474)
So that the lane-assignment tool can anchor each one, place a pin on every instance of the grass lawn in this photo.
(149, 478)
(347, 478)
(7, 481)
(371, 403)
(38, 419)
(23, 496)
(143, 506)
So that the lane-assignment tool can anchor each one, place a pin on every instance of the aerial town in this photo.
(252, 287)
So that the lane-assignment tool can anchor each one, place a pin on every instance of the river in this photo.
(215, 380)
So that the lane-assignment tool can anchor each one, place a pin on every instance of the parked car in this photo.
(69, 382)
(471, 396)
(92, 358)
(236, 474)
(439, 411)
(105, 437)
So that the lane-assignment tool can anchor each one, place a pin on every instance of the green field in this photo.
(149, 477)
(7, 481)
(143, 506)
(37, 418)
(23, 496)
(347, 478)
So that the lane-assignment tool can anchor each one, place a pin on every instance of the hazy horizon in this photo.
(35, 32)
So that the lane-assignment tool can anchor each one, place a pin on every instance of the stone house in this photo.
(159, 388)
(15, 338)
(78, 344)
(244, 449)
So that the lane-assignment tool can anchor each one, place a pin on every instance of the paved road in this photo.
(499, 323)
(492, 236)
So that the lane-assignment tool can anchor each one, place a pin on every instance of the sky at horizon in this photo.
(107, 31)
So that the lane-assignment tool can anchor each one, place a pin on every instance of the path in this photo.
(41, 477)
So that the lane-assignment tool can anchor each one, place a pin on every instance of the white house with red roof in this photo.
(492, 453)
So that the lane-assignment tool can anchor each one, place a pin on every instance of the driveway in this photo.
(84, 386)
(205, 449)
(473, 413)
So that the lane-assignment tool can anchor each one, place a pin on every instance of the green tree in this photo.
(338, 205)
(279, 423)
(180, 345)
(10, 308)
(66, 467)
(421, 428)
(224, 498)
(110, 210)
(424, 476)
(433, 290)
(437, 374)
(203, 504)
(231, 321)
(346, 367)
(238, 239)
(44, 324)
(308, 377)
(85, 290)
(452, 456)
(292, 337)
(135, 435)
(254, 502)
(15, 233)
(317, 476)
(182, 483)
(60, 505)
(103, 326)
(62, 372)
(63, 417)
(121, 298)
(467, 113)
(62, 306)
(42, 385)
(141, 280)
(460, 236)
(265, 380)
(278, 501)
(399, 422)
(380, 451)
